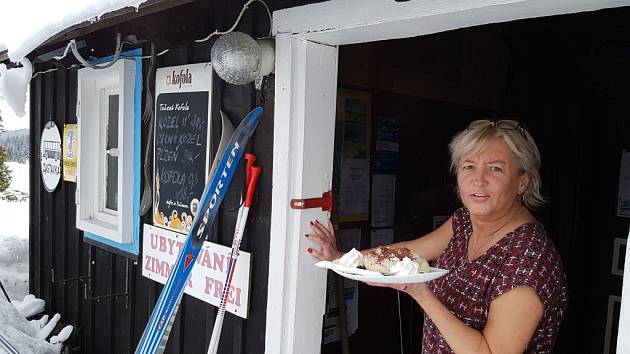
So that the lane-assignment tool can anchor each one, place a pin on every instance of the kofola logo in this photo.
(179, 79)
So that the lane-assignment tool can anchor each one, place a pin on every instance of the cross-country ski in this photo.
(156, 333)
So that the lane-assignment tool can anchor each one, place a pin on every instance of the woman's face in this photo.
(490, 181)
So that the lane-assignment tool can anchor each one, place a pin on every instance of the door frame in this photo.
(307, 42)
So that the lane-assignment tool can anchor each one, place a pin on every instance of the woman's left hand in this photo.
(419, 291)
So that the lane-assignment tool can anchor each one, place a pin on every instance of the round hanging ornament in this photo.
(50, 152)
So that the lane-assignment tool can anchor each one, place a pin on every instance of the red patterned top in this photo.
(523, 257)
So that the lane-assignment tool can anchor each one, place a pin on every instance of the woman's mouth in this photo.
(479, 197)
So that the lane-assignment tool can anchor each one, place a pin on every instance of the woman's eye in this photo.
(467, 167)
(496, 169)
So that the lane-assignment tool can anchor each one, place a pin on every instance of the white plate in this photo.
(376, 277)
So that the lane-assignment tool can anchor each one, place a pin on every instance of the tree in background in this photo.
(5, 173)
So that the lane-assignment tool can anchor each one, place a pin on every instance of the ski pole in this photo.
(252, 174)
(5, 292)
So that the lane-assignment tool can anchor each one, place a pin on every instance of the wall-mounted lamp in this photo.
(239, 59)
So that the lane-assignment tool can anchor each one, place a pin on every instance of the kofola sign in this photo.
(182, 140)
(160, 249)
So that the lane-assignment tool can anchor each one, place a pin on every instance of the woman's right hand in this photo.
(324, 236)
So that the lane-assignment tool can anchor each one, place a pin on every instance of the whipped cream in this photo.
(352, 259)
(405, 267)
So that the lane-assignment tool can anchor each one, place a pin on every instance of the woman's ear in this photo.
(523, 183)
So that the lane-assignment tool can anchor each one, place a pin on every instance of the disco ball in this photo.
(239, 59)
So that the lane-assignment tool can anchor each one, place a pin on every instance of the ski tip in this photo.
(256, 112)
(254, 116)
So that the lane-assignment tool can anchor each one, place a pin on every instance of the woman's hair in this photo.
(474, 139)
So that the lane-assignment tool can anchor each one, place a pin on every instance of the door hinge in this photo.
(325, 202)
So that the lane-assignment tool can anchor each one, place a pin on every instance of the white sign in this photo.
(50, 152)
(160, 249)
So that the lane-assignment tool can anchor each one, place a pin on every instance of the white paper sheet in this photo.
(354, 189)
(383, 200)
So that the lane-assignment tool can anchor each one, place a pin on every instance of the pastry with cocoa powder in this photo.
(399, 261)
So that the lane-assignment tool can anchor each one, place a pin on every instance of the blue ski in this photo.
(157, 330)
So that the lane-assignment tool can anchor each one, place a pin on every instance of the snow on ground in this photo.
(18, 334)
(14, 217)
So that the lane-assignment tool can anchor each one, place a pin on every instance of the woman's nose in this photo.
(479, 178)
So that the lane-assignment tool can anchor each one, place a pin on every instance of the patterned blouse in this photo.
(523, 257)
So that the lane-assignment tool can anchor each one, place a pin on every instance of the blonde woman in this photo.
(506, 290)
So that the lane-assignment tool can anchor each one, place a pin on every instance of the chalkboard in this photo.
(181, 157)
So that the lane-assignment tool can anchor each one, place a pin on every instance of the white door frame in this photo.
(307, 40)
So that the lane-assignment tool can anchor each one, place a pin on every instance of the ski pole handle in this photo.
(250, 161)
(251, 185)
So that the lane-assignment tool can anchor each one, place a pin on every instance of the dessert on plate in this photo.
(386, 260)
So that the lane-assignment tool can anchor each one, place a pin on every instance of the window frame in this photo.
(97, 222)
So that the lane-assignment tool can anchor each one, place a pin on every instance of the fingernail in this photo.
(404, 287)
(305, 235)
(310, 250)
(317, 221)
(311, 223)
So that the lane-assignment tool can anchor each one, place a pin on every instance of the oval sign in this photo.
(50, 152)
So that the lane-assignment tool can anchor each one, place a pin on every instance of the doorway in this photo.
(565, 77)
(573, 183)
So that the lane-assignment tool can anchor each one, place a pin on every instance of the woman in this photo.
(505, 291)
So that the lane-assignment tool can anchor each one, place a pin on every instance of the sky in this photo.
(9, 120)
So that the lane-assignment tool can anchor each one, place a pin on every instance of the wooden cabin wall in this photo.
(115, 324)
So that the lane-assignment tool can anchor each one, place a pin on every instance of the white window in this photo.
(105, 110)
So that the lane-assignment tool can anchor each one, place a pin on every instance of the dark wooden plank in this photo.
(35, 241)
(194, 321)
(87, 307)
(122, 335)
(256, 238)
(103, 309)
(74, 289)
(47, 205)
(60, 227)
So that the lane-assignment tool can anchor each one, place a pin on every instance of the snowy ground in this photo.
(14, 235)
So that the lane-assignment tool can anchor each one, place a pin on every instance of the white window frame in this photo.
(307, 40)
(94, 85)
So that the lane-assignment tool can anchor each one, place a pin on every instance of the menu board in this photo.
(182, 140)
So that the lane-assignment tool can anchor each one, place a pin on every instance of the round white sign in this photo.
(50, 152)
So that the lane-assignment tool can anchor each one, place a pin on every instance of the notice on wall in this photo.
(354, 190)
(70, 138)
(383, 200)
(160, 248)
(182, 140)
(623, 198)
(348, 238)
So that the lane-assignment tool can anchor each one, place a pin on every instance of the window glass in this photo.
(111, 177)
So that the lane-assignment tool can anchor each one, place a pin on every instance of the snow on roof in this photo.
(26, 24)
